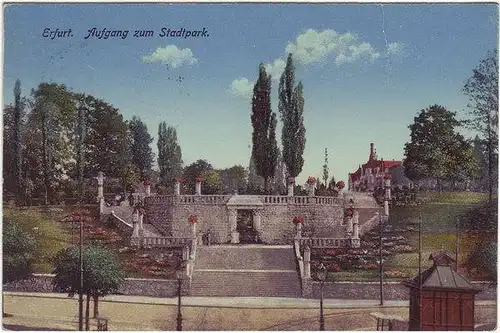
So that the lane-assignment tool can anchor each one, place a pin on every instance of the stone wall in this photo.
(323, 216)
(42, 283)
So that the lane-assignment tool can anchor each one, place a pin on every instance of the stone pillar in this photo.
(233, 223)
(355, 241)
(256, 220)
(387, 184)
(135, 239)
(198, 187)
(100, 191)
(148, 190)
(193, 229)
(307, 262)
(291, 183)
(141, 218)
(177, 187)
(310, 190)
(349, 226)
(299, 229)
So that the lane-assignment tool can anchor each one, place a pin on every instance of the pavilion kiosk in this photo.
(445, 299)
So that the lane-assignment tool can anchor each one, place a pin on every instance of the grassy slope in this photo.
(439, 214)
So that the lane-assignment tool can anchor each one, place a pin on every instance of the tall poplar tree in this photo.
(291, 108)
(264, 146)
(482, 91)
(169, 154)
(142, 154)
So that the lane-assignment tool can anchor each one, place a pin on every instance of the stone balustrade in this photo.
(166, 241)
(223, 199)
(301, 200)
(315, 242)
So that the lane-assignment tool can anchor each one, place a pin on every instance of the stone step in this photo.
(245, 257)
(244, 284)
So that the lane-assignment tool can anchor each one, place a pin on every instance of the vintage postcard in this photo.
(250, 166)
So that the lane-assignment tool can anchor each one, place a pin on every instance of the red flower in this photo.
(298, 220)
(193, 219)
(311, 180)
(340, 185)
(199, 179)
(349, 212)
(291, 180)
(178, 179)
(147, 182)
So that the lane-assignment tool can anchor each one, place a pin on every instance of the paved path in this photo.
(56, 311)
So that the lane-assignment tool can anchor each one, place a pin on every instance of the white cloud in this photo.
(242, 87)
(275, 69)
(318, 46)
(396, 50)
(172, 56)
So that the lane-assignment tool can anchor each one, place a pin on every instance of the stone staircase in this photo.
(251, 270)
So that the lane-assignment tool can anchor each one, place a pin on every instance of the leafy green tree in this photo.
(264, 146)
(193, 171)
(482, 91)
(49, 129)
(102, 273)
(325, 168)
(291, 108)
(169, 154)
(278, 183)
(18, 116)
(234, 179)
(142, 154)
(212, 183)
(108, 141)
(255, 182)
(130, 176)
(435, 149)
(18, 252)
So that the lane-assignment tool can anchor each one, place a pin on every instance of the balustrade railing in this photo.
(316, 242)
(166, 241)
(223, 199)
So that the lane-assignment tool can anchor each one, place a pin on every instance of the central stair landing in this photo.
(245, 270)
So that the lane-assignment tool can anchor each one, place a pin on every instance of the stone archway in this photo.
(244, 218)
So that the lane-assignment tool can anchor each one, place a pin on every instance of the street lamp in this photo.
(79, 217)
(180, 276)
(321, 276)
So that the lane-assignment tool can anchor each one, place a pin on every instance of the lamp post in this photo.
(381, 259)
(321, 276)
(78, 217)
(180, 275)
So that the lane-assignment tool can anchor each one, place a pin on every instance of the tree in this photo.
(9, 153)
(193, 171)
(325, 169)
(18, 115)
(291, 108)
(102, 273)
(482, 91)
(255, 182)
(169, 154)
(264, 146)
(48, 138)
(279, 180)
(234, 179)
(212, 183)
(108, 140)
(142, 154)
(18, 252)
(435, 150)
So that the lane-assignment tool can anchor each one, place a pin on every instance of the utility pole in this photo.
(80, 296)
(420, 272)
(381, 269)
(457, 239)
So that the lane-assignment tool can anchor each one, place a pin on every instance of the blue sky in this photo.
(367, 69)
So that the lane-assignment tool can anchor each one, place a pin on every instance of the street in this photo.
(126, 313)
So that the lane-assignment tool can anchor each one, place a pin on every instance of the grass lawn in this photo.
(49, 232)
(439, 214)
